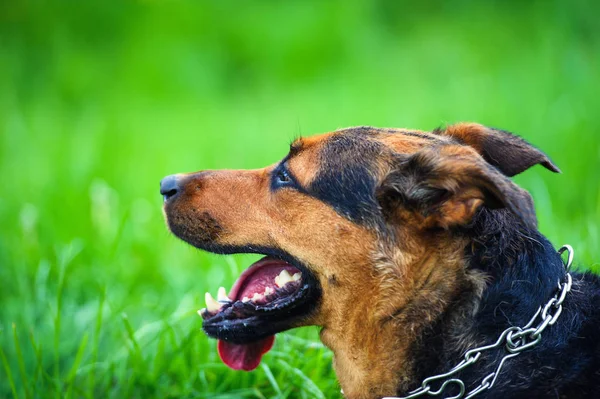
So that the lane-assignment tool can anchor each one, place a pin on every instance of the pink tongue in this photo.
(244, 357)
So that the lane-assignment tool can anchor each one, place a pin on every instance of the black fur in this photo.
(524, 270)
(349, 189)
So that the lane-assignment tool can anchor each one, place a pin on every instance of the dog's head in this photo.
(345, 220)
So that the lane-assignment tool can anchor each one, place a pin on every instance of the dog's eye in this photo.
(283, 177)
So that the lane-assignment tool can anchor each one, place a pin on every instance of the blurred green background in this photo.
(100, 99)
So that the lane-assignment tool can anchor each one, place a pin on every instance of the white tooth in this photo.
(297, 276)
(283, 278)
(211, 304)
(256, 297)
(201, 311)
(245, 299)
(268, 291)
(222, 295)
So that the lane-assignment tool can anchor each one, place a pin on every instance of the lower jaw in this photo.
(246, 330)
(242, 348)
(263, 324)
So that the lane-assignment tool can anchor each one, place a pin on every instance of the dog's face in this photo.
(342, 220)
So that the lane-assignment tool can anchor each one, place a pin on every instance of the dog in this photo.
(410, 250)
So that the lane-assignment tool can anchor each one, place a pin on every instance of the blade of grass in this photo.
(235, 394)
(39, 371)
(9, 376)
(75, 367)
(203, 380)
(271, 378)
(65, 257)
(96, 341)
(159, 358)
(21, 362)
(57, 323)
(136, 351)
(307, 382)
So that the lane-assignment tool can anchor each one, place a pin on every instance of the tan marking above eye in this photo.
(304, 161)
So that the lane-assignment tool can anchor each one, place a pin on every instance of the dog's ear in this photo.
(444, 186)
(507, 152)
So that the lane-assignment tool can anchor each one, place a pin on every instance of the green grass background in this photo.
(100, 99)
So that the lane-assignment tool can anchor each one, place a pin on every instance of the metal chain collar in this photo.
(514, 340)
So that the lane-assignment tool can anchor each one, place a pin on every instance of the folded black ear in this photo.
(507, 152)
(444, 186)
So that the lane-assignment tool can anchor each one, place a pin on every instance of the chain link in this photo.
(514, 339)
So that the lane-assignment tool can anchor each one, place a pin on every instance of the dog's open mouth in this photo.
(270, 296)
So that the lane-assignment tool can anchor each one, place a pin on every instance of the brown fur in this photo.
(380, 287)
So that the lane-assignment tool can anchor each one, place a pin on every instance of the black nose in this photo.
(169, 186)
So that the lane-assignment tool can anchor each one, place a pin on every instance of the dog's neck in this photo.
(445, 307)
(373, 340)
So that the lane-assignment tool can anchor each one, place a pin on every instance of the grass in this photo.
(99, 100)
